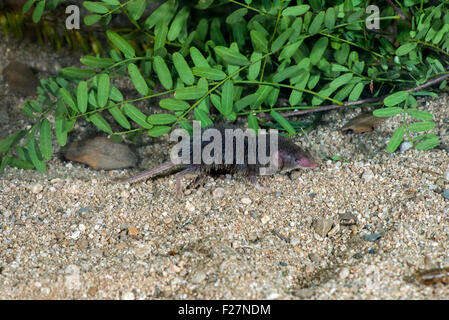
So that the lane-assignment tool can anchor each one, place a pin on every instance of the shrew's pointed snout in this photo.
(307, 163)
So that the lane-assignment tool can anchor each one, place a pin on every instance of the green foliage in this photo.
(223, 59)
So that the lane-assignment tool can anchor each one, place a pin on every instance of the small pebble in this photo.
(133, 231)
(405, 146)
(246, 201)
(72, 278)
(294, 241)
(303, 293)
(371, 237)
(190, 207)
(446, 175)
(323, 226)
(358, 255)
(198, 277)
(343, 274)
(314, 257)
(218, 193)
(347, 219)
(75, 234)
(446, 194)
(368, 175)
(36, 188)
(273, 296)
(265, 219)
(128, 296)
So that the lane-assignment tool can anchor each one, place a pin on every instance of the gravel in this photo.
(74, 233)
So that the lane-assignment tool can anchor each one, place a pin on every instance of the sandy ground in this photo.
(74, 233)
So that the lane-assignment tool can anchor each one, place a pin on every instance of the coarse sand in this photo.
(76, 233)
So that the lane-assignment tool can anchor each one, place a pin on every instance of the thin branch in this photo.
(364, 101)
(399, 12)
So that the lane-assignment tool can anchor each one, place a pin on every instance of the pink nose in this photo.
(307, 163)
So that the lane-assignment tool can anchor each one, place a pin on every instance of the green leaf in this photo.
(118, 116)
(60, 122)
(77, 73)
(7, 143)
(215, 33)
(137, 79)
(198, 58)
(431, 141)
(330, 18)
(45, 139)
(341, 80)
(425, 93)
(259, 42)
(387, 112)
(183, 69)
(161, 118)
(356, 92)
(252, 123)
(273, 97)
(178, 22)
(279, 42)
(174, 105)
(35, 155)
(28, 111)
(115, 94)
(396, 139)
(287, 73)
(215, 99)
(295, 10)
(190, 93)
(227, 97)
(163, 73)
(318, 50)
(100, 122)
(421, 126)
(121, 43)
(245, 101)
(67, 98)
(38, 11)
(209, 73)
(19, 163)
(136, 8)
(262, 95)
(406, 48)
(203, 118)
(230, 56)
(27, 6)
(36, 106)
(164, 13)
(203, 4)
(92, 19)
(290, 50)
(420, 115)
(158, 131)
(161, 36)
(136, 115)
(317, 23)
(95, 7)
(283, 122)
(396, 98)
(236, 16)
(103, 89)
(254, 69)
(81, 96)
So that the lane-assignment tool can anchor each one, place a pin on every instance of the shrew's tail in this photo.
(150, 172)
